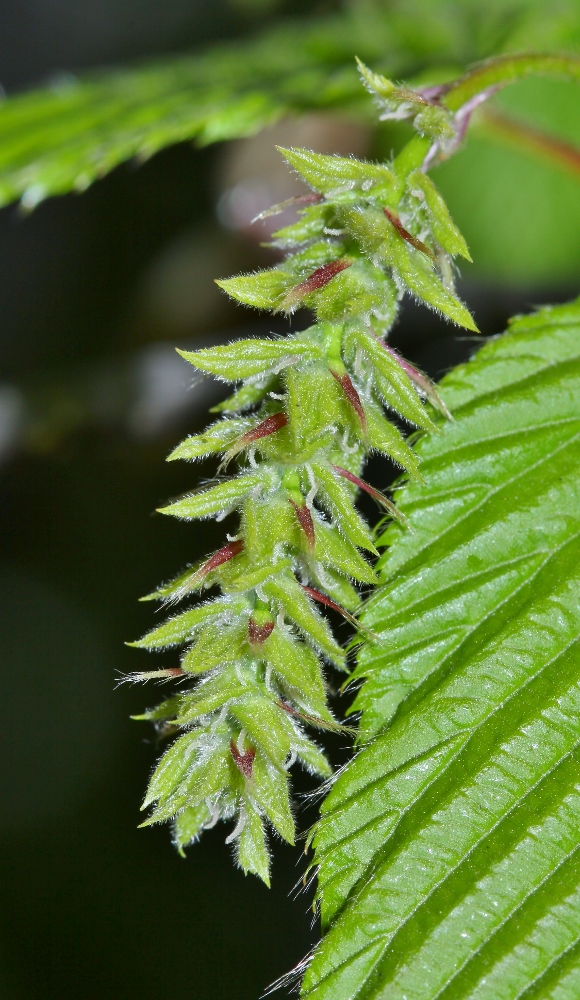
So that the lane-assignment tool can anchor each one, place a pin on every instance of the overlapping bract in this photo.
(309, 410)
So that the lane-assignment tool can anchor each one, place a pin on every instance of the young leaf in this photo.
(216, 438)
(181, 627)
(292, 599)
(335, 496)
(330, 174)
(444, 229)
(263, 290)
(448, 849)
(247, 358)
(251, 848)
(393, 383)
(207, 502)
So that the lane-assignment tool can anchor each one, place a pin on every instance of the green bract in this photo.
(313, 408)
(448, 850)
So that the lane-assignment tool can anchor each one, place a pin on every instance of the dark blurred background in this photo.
(95, 291)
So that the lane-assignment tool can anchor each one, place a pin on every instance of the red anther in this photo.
(258, 634)
(306, 523)
(375, 494)
(243, 761)
(323, 599)
(321, 277)
(422, 382)
(407, 236)
(318, 279)
(352, 396)
(221, 556)
(328, 603)
(174, 672)
(268, 426)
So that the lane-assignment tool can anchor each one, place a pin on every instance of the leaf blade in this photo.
(442, 844)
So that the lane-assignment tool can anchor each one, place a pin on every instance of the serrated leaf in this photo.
(448, 848)
(248, 358)
(214, 500)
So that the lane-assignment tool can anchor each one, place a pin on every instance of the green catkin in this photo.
(307, 412)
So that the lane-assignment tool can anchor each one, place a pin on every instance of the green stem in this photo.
(497, 73)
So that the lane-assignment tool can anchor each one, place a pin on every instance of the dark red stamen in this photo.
(422, 382)
(268, 426)
(243, 761)
(407, 236)
(375, 494)
(328, 603)
(306, 523)
(258, 634)
(352, 396)
(221, 556)
(323, 599)
(317, 280)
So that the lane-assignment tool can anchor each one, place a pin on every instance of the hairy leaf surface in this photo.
(449, 849)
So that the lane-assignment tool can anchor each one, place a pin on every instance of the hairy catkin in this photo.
(306, 412)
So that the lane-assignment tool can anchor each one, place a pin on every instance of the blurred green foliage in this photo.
(521, 217)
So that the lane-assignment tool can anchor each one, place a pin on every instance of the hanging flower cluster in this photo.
(306, 412)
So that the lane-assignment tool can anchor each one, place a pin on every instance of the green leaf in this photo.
(292, 599)
(332, 548)
(248, 358)
(383, 436)
(270, 790)
(252, 852)
(262, 290)
(189, 824)
(444, 229)
(181, 627)
(215, 500)
(210, 694)
(216, 644)
(298, 666)
(449, 847)
(331, 174)
(216, 438)
(336, 497)
(244, 397)
(267, 726)
(393, 383)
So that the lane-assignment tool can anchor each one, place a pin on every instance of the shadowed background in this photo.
(95, 291)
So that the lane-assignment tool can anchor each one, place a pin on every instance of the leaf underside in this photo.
(449, 848)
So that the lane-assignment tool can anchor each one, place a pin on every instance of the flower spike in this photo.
(306, 412)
